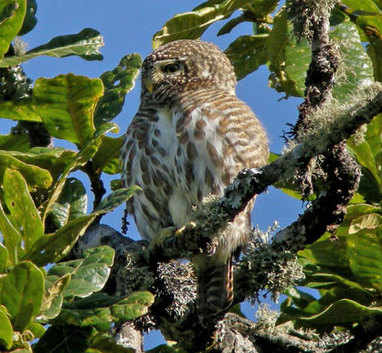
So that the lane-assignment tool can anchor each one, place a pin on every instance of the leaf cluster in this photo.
(44, 211)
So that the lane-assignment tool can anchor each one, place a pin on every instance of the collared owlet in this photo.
(189, 139)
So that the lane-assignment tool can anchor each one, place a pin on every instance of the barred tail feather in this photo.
(215, 290)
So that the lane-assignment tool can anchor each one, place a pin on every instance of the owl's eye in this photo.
(170, 68)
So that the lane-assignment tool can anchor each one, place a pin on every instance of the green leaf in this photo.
(247, 53)
(53, 298)
(21, 293)
(342, 312)
(37, 329)
(132, 307)
(12, 14)
(100, 317)
(88, 275)
(262, 8)
(365, 256)
(117, 83)
(72, 203)
(107, 158)
(358, 66)
(116, 198)
(53, 247)
(191, 25)
(67, 105)
(4, 258)
(82, 157)
(12, 237)
(54, 159)
(6, 330)
(289, 58)
(35, 176)
(64, 339)
(106, 344)
(14, 142)
(30, 19)
(22, 210)
(369, 156)
(85, 44)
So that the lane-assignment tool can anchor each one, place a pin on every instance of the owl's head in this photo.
(185, 65)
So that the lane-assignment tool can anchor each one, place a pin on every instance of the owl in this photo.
(189, 139)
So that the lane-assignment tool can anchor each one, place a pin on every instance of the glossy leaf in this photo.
(130, 308)
(85, 44)
(35, 176)
(67, 104)
(365, 256)
(53, 297)
(4, 258)
(289, 58)
(369, 156)
(22, 210)
(88, 275)
(107, 158)
(21, 293)
(72, 203)
(342, 312)
(117, 83)
(191, 25)
(12, 14)
(261, 8)
(54, 159)
(358, 66)
(53, 247)
(247, 53)
(30, 19)
(12, 237)
(116, 198)
(106, 344)
(14, 142)
(6, 330)
(82, 157)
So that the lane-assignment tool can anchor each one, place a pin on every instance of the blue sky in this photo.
(128, 27)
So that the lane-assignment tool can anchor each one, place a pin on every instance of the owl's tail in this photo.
(215, 290)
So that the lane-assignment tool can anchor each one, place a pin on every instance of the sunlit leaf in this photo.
(30, 19)
(66, 104)
(356, 63)
(117, 83)
(21, 293)
(247, 53)
(12, 14)
(71, 204)
(6, 330)
(53, 297)
(191, 25)
(34, 175)
(85, 44)
(22, 211)
(289, 58)
(107, 158)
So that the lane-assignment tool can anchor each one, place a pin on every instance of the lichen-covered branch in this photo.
(250, 182)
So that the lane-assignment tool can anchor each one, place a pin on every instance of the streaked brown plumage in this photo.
(190, 138)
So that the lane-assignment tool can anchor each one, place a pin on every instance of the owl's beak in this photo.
(148, 83)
